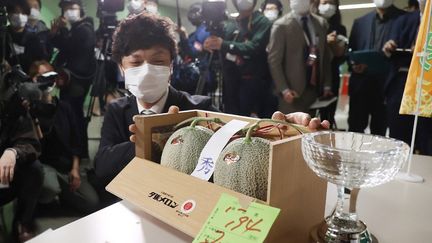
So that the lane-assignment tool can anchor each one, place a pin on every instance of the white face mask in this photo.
(272, 15)
(72, 15)
(383, 3)
(327, 10)
(152, 9)
(136, 6)
(245, 5)
(34, 14)
(300, 7)
(147, 82)
(18, 20)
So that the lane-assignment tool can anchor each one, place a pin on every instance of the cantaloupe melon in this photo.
(243, 167)
(184, 146)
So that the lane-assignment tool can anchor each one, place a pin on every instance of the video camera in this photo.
(106, 12)
(18, 87)
(213, 15)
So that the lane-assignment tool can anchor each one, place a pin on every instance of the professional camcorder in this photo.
(17, 87)
(213, 15)
(106, 12)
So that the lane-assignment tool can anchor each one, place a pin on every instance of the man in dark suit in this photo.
(370, 32)
(146, 61)
(403, 35)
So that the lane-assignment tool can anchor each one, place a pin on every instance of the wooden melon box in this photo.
(160, 191)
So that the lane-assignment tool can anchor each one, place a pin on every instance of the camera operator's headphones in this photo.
(64, 2)
(195, 14)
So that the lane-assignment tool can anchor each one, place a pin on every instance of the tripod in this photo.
(213, 66)
(99, 83)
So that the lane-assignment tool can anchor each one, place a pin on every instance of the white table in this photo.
(397, 212)
(118, 223)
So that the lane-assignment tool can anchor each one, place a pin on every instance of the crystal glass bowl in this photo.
(354, 160)
(351, 161)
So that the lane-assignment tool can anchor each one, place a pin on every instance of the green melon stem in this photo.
(248, 138)
(204, 119)
(193, 119)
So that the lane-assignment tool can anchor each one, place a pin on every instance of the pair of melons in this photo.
(242, 166)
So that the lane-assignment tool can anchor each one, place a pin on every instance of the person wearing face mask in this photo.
(144, 47)
(22, 46)
(34, 23)
(337, 40)
(152, 6)
(403, 36)
(247, 85)
(136, 6)
(370, 32)
(299, 58)
(76, 46)
(60, 154)
(272, 9)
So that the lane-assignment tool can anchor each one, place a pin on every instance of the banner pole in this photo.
(408, 176)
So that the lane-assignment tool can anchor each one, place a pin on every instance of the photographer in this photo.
(247, 83)
(21, 46)
(34, 23)
(78, 56)
(20, 174)
(60, 151)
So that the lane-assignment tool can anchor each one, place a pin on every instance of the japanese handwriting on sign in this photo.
(230, 221)
(207, 165)
(237, 224)
(425, 61)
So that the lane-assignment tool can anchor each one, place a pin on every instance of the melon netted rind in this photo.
(184, 156)
(249, 175)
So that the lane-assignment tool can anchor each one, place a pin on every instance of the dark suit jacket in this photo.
(361, 39)
(404, 33)
(115, 149)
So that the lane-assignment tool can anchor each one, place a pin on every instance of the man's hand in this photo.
(331, 38)
(74, 180)
(289, 96)
(133, 129)
(7, 166)
(213, 43)
(58, 23)
(359, 68)
(389, 47)
(301, 118)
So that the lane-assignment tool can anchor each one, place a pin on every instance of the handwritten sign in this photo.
(230, 222)
(210, 153)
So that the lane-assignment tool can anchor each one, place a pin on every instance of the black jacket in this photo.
(60, 142)
(361, 38)
(77, 48)
(115, 149)
(34, 48)
(20, 134)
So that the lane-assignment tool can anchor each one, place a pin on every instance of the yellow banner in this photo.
(420, 61)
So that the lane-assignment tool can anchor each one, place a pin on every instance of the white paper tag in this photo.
(210, 153)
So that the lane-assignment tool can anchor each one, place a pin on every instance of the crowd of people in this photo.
(261, 61)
